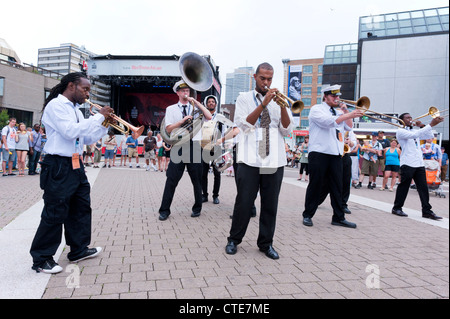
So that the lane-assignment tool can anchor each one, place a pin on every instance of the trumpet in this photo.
(283, 101)
(363, 103)
(433, 112)
(123, 126)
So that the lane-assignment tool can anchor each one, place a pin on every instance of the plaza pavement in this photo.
(386, 257)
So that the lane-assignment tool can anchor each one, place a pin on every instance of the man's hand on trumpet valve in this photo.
(106, 111)
(271, 94)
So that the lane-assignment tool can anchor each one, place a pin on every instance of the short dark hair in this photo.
(402, 116)
(265, 66)
(211, 97)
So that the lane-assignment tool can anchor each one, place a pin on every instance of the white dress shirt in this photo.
(251, 135)
(64, 124)
(322, 130)
(174, 114)
(409, 141)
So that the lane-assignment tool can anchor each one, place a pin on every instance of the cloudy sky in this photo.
(234, 32)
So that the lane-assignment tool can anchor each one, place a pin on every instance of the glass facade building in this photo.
(404, 23)
(341, 53)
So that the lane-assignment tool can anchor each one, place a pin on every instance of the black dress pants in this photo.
(67, 203)
(249, 181)
(175, 171)
(346, 181)
(205, 171)
(324, 169)
(408, 174)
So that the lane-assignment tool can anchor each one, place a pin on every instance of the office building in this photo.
(241, 80)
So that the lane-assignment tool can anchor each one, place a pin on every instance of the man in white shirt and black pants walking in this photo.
(66, 188)
(176, 116)
(261, 159)
(326, 146)
(412, 166)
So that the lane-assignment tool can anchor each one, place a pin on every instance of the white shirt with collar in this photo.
(251, 135)
(174, 114)
(409, 141)
(64, 124)
(322, 130)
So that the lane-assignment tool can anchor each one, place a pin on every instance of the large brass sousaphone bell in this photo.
(197, 73)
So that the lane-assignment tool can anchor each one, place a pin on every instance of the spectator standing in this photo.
(370, 162)
(304, 159)
(167, 148)
(37, 148)
(110, 144)
(392, 155)
(9, 146)
(23, 139)
(149, 151)
(159, 151)
(384, 144)
(132, 143)
(97, 153)
(123, 148)
(444, 165)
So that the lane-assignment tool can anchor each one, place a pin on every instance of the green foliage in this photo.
(4, 118)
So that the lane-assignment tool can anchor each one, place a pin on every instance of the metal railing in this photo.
(33, 69)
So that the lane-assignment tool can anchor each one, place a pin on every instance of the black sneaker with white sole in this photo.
(48, 267)
(90, 253)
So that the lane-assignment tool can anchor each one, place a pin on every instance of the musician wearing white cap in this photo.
(412, 165)
(326, 147)
(176, 115)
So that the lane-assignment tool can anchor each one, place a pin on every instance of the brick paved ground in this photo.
(184, 257)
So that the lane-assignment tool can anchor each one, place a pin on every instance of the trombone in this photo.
(122, 123)
(433, 112)
(296, 106)
(363, 103)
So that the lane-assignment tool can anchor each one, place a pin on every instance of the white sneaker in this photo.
(147, 168)
(48, 267)
(90, 253)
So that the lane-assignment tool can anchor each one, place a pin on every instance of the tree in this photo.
(4, 118)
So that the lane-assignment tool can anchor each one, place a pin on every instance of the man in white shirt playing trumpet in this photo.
(261, 159)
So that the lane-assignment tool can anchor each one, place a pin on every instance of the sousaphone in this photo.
(197, 73)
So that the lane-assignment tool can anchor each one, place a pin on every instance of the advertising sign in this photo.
(295, 82)
(133, 67)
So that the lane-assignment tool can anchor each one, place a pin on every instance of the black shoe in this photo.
(90, 253)
(270, 252)
(344, 223)
(204, 199)
(163, 216)
(195, 214)
(347, 211)
(413, 186)
(48, 267)
(307, 221)
(399, 212)
(358, 186)
(216, 200)
(431, 215)
(231, 248)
